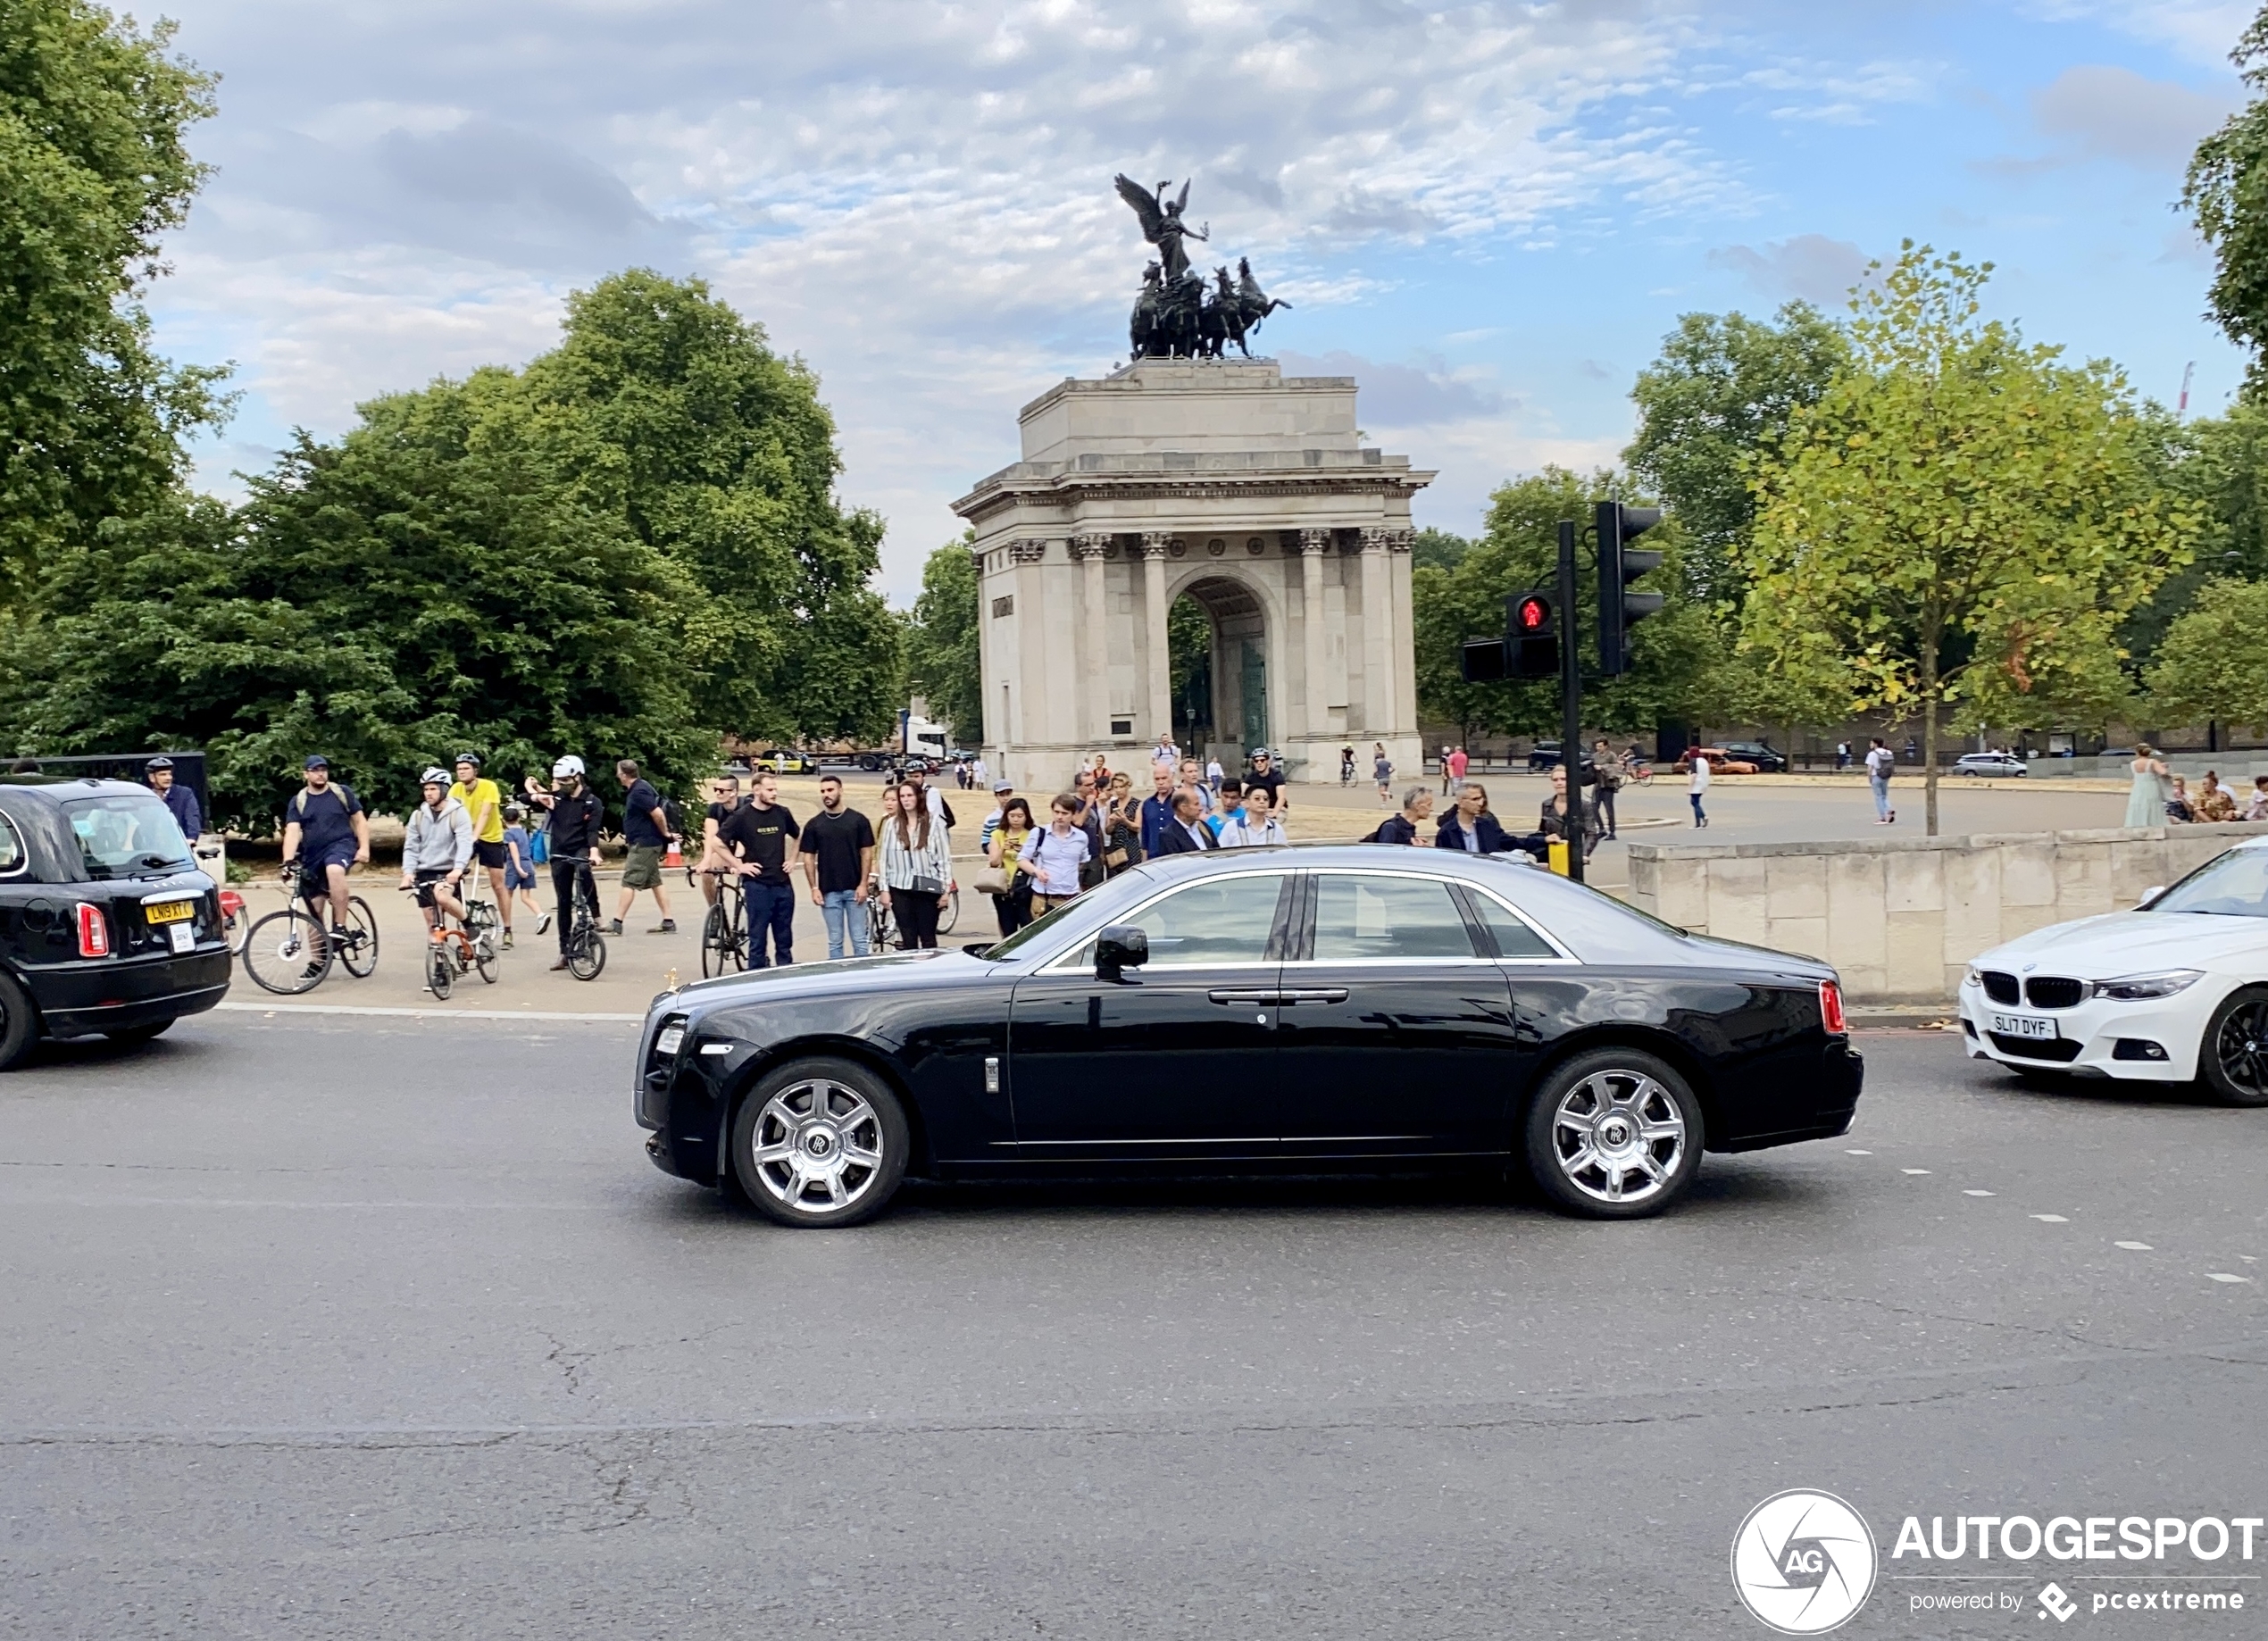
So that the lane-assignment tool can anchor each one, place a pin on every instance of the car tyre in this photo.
(819, 1142)
(2232, 1059)
(1613, 1134)
(19, 1023)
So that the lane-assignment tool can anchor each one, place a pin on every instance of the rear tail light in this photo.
(93, 931)
(1830, 1009)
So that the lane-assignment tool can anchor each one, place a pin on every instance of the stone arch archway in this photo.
(1238, 668)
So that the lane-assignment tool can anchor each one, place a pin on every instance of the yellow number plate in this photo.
(171, 911)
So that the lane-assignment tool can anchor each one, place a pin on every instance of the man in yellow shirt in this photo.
(485, 804)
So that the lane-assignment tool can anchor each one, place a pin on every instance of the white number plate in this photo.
(2023, 1026)
(182, 934)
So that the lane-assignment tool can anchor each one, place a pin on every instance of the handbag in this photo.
(990, 881)
(925, 886)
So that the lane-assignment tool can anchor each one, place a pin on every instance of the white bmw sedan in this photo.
(2175, 991)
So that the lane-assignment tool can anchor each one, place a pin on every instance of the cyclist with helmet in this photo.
(572, 838)
(436, 850)
(483, 805)
(179, 800)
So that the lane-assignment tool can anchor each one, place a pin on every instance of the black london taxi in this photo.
(107, 928)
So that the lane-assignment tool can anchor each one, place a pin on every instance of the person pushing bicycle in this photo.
(435, 852)
(573, 834)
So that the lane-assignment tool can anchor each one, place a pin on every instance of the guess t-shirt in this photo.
(760, 836)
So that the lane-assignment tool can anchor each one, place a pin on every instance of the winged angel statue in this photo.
(1175, 316)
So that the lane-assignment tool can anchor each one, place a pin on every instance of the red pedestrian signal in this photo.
(1531, 636)
(1530, 616)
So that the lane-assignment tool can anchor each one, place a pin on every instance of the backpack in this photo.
(673, 813)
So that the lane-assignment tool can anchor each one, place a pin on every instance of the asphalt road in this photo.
(328, 1328)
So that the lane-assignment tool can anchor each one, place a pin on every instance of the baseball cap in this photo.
(316, 760)
(999, 786)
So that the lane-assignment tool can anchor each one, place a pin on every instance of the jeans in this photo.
(773, 906)
(841, 907)
(1881, 785)
(1698, 818)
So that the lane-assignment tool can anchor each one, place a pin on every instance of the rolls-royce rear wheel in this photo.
(1613, 1134)
(819, 1142)
(19, 1023)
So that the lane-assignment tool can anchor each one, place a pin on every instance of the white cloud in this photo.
(1811, 266)
(2101, 111)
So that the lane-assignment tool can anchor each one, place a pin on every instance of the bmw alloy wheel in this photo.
(2235, 1061)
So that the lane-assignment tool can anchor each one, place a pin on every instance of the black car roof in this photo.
(56, 789)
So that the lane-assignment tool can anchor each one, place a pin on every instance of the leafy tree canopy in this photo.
(1723, 392)
(2226, 192)
(94, 168)
(1961, 518)
(2214, 663)
(944, 666)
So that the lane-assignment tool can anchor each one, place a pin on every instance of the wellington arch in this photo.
(1246, 490)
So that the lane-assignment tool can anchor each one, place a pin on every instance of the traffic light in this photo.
(1482, 661)
(1531, 636)
(1619, 608)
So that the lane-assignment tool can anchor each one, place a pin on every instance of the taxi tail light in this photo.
(1830, 1009)
(93, 931)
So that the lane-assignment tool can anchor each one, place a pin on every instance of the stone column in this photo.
(1314, 545)
(1094, 595)
(1378, 629)
(1159, 669)
(1401, 544)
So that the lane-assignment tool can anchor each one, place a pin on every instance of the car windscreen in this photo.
(2234, 885)
(122, 835)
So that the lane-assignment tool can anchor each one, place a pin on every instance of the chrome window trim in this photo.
(23, 852)
(1564, 958)
(1475, 961)
(1061, 964)
(1544, 935)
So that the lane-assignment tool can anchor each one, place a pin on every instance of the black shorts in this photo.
(492, 855)
(425, 882)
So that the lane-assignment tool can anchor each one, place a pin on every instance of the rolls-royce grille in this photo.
(1998, 986)
(2047, 991)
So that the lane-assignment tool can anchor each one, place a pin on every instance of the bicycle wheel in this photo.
(585, 952)
(358, 940)
(483, 957)
(882, 927)
(948, 912)
(716, 936)
(285, 953)
(440, 969)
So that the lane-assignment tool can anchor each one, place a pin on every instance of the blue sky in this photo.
(1489, 213)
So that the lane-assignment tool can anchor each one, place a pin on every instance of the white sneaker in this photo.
(543, 923)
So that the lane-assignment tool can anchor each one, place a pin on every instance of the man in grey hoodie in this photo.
(436, 850)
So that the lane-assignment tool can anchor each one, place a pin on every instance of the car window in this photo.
(124, 833)
(11, 846)
(2235, 885)
(1217, 920)
(1361, 918)
(1512, 936)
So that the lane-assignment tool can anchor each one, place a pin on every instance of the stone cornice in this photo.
(1070, 489)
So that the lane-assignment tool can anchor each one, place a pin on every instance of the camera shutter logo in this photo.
(1803, 1563)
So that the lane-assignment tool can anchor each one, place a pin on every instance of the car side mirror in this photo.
(1121, 946)
(2149, 895)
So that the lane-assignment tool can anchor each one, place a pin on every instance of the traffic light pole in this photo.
(1571, 690)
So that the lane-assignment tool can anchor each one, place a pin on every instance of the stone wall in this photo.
(1900, 918)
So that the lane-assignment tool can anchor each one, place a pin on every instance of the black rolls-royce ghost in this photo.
(1302, 1009)
(106, 925)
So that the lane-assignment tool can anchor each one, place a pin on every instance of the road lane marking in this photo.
(2138, 1247)
(2227, 1276)
(345, 1008)
(1914, 1171)
(2051, 1218)
(1976, 1193)
(1858, 1153)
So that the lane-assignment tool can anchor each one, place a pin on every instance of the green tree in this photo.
(1439, 548)
(718, 454)
(946, 663)
(2214, 664)
(2226, 192)
(1681, 666)
(2218, 465)
(434, 581)
(1962, 520)
(94, 169)
(1722, 392)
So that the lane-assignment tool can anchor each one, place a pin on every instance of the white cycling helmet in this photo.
(435, 777)
(568, 765)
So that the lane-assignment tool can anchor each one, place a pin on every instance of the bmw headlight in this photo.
(1975, 976)
(2141, 988)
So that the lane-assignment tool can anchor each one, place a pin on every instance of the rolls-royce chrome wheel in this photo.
(1613, 1134)
(818, 1143)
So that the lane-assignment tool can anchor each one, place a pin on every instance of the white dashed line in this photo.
(1976, 1193)
(2227, 1276)
(2051, 1218)
(2138, 1247)
(1914, 1171)
(1857, 1153)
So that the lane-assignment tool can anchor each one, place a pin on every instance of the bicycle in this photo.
(882, 927)
(724, 931)
(289, 952)
(586, 948)
(1638, 771)
(949, 910)
(462, 948)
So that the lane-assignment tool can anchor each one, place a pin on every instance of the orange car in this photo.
(1720, 763)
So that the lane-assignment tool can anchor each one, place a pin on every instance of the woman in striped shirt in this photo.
(917, 866)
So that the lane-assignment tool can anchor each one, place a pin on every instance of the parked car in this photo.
(107, 928)
(1722, 761)
(780, 761)
(2174, 991)
(1989, 763)
(1356, 1010)
(1766, 759)
(1544, 755)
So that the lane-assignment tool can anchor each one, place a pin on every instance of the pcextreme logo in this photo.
(1803, 1562)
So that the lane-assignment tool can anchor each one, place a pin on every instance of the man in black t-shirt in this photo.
(839, 863)
(756, 834)
(724, 797)
(1264, 773)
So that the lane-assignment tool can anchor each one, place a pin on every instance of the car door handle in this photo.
(1247, 999)
(1335, 994)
